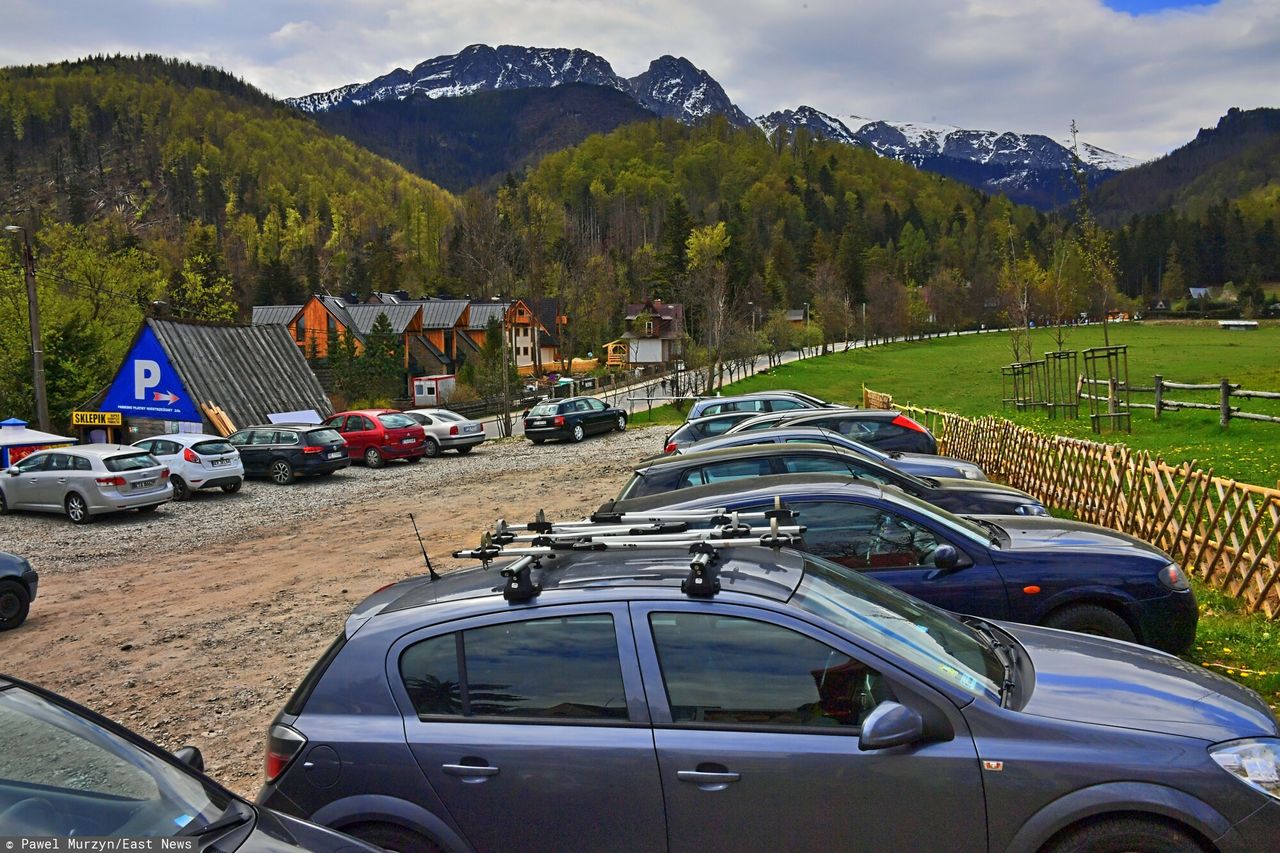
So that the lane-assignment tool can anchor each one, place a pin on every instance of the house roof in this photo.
(663, 310)
(483, 312)
(546, 309)
(400, 316)
(442, 313)
(380, 298)
(249, 372)
(16, 433)
(338, 308)
(274, 315)
(795, 315)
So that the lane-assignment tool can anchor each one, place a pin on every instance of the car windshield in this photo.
(446, 415)
(963, 526)
(324, 436)
(544, 409)
(130, 462)
(892, 620)
(95, 781)
(394, 420)
(210, 448)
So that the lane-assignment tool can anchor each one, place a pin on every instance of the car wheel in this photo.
(181, 491)
(281, 472)
(414, 460)
(392, 838)
(232, 488)
(578, 432)
(463, 451)
(622, 423)
(4, 504)
(1126, 835)
(77, 509)
(373, 458)
(432, 447)
(152, 508)
(15, 602)
(1091, 619)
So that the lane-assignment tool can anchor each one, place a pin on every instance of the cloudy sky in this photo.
(1138, 76)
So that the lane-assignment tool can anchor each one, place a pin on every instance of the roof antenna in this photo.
(425, 558)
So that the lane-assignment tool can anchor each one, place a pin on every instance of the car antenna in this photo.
(425, 558)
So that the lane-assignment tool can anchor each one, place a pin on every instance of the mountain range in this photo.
(1029, 168)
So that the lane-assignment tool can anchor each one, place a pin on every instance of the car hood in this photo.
(1088, 679)
(1041, 533)
(986, 487)
(929, 460)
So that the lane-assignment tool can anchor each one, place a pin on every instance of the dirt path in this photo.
(203, 646)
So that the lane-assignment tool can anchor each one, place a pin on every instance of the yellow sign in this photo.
(95, 419)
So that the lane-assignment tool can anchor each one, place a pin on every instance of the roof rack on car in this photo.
(634, 531)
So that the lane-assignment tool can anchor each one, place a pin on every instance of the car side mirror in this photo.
(190, 756)
(889, 725)
(12, 471)
(946, 557)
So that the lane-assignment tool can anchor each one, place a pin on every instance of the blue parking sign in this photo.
(147, 386)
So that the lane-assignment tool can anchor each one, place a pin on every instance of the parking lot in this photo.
(193, 624)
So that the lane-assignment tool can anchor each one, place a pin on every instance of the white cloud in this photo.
(1138, 85)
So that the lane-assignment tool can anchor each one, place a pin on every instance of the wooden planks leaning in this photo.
(1226, 533)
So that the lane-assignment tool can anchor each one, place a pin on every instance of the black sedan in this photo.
(685, 470)
(67, 772)
(887, 430)
(1042, 571)
(572, 419)
(18, 583)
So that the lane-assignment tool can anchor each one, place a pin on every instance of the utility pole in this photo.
(33, 313)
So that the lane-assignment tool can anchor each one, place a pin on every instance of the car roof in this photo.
(816, 435)
(99, 450)
(184, 437)
(754, 395)
(747, 569)
(700, 456)
(286, 426)
(768, 486)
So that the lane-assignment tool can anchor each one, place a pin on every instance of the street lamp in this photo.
(806, 315)
(752, 306)
(33, 314)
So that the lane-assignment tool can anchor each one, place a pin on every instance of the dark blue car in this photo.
(1041, 571)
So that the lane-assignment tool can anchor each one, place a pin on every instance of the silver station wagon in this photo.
(85, 481)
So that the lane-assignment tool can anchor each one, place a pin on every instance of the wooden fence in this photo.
(1226, 391)
(1222, 531)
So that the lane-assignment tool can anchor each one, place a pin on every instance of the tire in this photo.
(148, 509)
(392, 838)
(76, 508)
(432, 447)
(373, 458)
(181, 491)
(4, 504)
(232, 488)
(622, 423)
(463, 451)
(414, 460)
(578, 433)
(1091, 619)
(281, 472)
(15, 603)
(537, 440)
(1125, 835)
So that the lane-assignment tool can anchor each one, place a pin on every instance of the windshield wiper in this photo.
(236, 813)
(993, 530)
(1004, 653)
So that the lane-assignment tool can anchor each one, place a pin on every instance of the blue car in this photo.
(1041, 571)
(755, 699)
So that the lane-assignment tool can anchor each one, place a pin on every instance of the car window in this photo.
(560, 668)
(212, 447)
(168, 448)
(865, 537)
(33, 463)
(80, 463)
(719, 427)
(736, 671)
(317, 437)
(420, 418)
(735, 469)
(58, 462)
(130, 462)
(596, 405)
(286, 436)
(582, 406)
(337, 422)
(765, 424)
(784, 405)
(145, 444)
(390, 420)
(823, 465)
(259, 437)
(543, 409)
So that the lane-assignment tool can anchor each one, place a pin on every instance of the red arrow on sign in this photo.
(168, 396)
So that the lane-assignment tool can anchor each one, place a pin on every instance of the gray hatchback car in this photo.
(803, 706)
(85, 481)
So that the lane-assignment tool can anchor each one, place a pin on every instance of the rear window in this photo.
(130, 462)
(395, 421)
(210, 448)
(324, 436)
(544, 409)
(300, 696)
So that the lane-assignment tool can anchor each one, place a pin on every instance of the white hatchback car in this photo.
(448, 430)
(196, 461)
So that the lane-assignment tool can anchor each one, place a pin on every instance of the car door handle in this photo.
(713, 781)
(468, 770)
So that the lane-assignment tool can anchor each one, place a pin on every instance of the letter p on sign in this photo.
(146, 375)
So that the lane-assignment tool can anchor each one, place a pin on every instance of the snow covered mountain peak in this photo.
(674, 87)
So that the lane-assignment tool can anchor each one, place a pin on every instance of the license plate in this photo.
(143, 484)
(471, 428)
(409, 440)
(540, 423)
(218, 463)
(335, 454)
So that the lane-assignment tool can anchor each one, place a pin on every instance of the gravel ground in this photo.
(195, 623)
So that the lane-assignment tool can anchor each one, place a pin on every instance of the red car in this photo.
(376, 435)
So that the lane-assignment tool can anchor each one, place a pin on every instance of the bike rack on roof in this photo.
(634, 531)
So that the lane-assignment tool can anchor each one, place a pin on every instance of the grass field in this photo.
(962, 374)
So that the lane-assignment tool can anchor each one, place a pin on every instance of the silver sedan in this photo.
(86, 481)
(448, 430)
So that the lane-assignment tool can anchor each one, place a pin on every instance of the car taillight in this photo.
(164, 473)
(111, 481)
(559, 421)
(190, 455)
(906, 422)
(670, 448)
(453, 430)
(283, 743)
(313, 450)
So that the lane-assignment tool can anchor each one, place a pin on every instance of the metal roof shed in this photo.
(18, 441)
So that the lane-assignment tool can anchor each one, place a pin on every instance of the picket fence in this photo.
(1223, 531)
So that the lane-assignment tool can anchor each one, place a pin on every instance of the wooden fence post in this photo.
(1159, 394)
(1225, 417)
